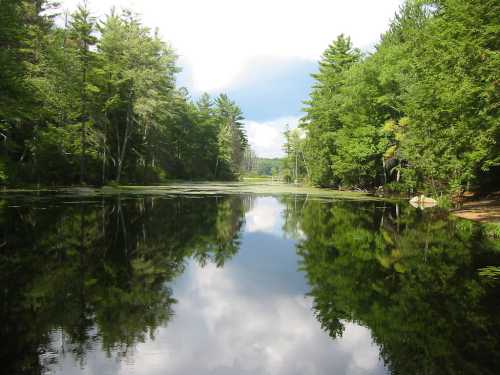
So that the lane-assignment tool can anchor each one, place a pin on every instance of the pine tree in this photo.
(322, 109)
(82, 28)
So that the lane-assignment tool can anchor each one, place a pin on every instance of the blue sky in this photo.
(259, 52)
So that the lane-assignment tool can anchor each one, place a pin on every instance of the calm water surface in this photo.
(243, 284)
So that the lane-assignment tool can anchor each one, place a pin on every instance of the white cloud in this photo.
(266, 138)
(217, 38)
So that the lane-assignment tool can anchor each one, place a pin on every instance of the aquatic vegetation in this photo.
(257, 187)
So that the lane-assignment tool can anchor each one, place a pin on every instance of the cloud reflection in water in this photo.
(249, 317)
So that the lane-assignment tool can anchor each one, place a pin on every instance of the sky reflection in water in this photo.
(239, 284)
(251, 316)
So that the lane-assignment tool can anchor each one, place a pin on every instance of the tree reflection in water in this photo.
(95, 274)
(410, 276)
(75, 275)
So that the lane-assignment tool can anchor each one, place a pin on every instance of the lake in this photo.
(243, 283)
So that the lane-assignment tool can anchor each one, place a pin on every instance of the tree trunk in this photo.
(103, 178)
(296, 168)
(84, 118)
(82, 156)
(305, 164)
(384, 168)
(121, 156)
(216, 166)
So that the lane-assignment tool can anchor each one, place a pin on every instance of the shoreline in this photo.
(483, 210)
(486, 210)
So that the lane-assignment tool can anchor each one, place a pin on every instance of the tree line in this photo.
(96, 101)
(419, 113)
(255, 166)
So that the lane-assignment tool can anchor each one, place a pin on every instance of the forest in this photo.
(91, 102)
(418, 113)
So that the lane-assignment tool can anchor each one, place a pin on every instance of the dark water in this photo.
(243, 285)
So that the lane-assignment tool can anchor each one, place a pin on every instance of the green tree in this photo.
(140, 72)
(82, 28)
(294, 163)
(322, 118)
(232, 139)
(91, 103)
(419, 112)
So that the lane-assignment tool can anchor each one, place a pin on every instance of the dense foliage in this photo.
(268, 166)
(96, 101)
(257, 166)
(419, 113)
(294, 165)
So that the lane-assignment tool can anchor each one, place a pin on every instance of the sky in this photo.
(259, 52)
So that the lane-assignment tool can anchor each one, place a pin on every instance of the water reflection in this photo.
(411, 277)
(210, 285)
(265, 216)
(99, 273)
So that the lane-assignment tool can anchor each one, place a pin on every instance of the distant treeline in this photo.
(96, 101)
(257, 166)
(419, 113)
